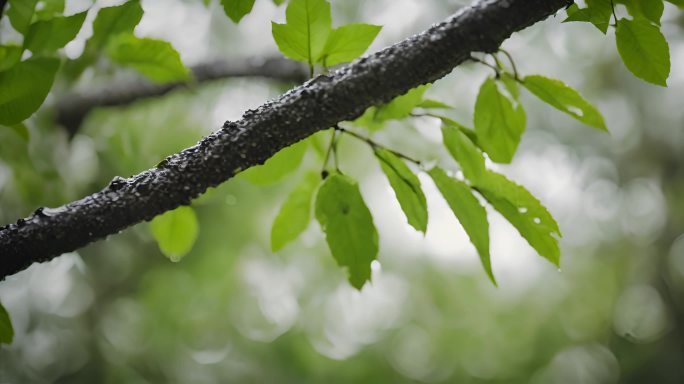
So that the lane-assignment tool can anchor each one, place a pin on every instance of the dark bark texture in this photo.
(317, 104)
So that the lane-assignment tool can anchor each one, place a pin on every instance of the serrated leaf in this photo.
(597, 12)
(112, 21)
(283, 163)
(464, 151)
(155, 59)
(9, 55)
(644, 50)
(306, 31)
(406, 187)
(498, 124)
(175, 232)
(433, 104)
(651, 10)
(348, 226)
(53, 34)
(24, 87)
(295, 214)
(562, 97)
(525, 212)
(348, 42)
(469, 212)
(237, 9)
(6, 330)
(20, 14)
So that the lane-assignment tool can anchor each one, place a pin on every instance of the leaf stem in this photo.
(494, 68)
(510, 59)
(612, 7)
(374, 145)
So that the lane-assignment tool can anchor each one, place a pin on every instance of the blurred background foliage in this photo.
(233, 311)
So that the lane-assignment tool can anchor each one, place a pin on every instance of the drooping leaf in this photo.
(560, 96)
(175, 232)
(511, 85)
(348, 42)
(597, 12)
(651, 10)
(156, 59)
(644, 50)
(20, 14)
(433, 104)
(295, 214)
(237, 9)
(278, 166)
(525, 212)
(9, 55)
(498, 124)
(406, 187)
(468, 156)
(348, 226)
(24, 87)
(469, 212)
(112, 21)
(6, 330)
(53, 34)
(306, 31)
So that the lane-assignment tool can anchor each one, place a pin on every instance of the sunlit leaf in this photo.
(401, 106)
(283, 163)
(511, 85)
(306, 31)
(295, 214)
(462, 149)
(6, 330)
(53, 34)
(156, 59)
(348, 227)
(406, 187)
(348, 42)
(560, 96)
(175, 232)
(469, 212)
(24, 87)
(433, 104)
(651, 10)
(597, 12)
(499, 124)
(644, 50)
(20, 14)
(237, 9)
(112, 21)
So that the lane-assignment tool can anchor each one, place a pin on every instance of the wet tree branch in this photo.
(315, 105)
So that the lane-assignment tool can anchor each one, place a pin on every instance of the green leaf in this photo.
(644, 50)
(295, 214)
(511, 85)
(9, 55)
(304, 35)
(597, 12)
(283, 163)
(156, 59)
(469, 212)
(112, 21)
(348, 227)
(406, 187)
(278, 2)
(348, 42)
(525, 212)
(562, 97)
(51, 35)
(6, 330)
(175, 232)
(49, 9)
(237, 9)
(21, 130)
(20, 14)
(462, 149)
(401, 106)
(679, 3)
(651, 10)
(433, 104)
(24, 87)
(498, 124)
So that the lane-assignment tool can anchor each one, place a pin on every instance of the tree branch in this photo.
(73, 108)
(317, 104)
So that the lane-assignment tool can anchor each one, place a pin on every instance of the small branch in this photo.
(493, 67)
(375, 145)
(510, 60)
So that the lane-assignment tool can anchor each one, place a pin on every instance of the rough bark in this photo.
(73, 108)
(260, 133)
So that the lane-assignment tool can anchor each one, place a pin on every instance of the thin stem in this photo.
(510, 59)
(475, 59)
(2, 7)
(324, 172)
(612, 7)
(374, 145)
(311, 71)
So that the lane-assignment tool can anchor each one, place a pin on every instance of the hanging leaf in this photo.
(155, 59)
(6, 330)
(498, 124)
(469, 212)
(283, 163)
(348, 227)
(562, 97)
(20, 14)
(112, 21)
(406, 187)
(9, 55)
(597, 12)
(295, 214)
(24, 87)
(348, 42)
(53, 34)
(237, 9)
(306, 31)
(468, 156)
(175, 232)
(644, 50)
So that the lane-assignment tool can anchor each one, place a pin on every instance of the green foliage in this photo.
(469, 212)
(348, 226)
(24, 87)
(9, 55)
(175, 231)
(20, 14)
(406, 187)
(295, 214)
(597, 12)
(462, 149)
(644, 50)
(348, 42)
(6, 330)
(498, 123)
(559, 95)
(237, 9)
(279, 166)
(651, 10)
(112, 21)
(52, 34)
(156, 59)
(400, 107)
